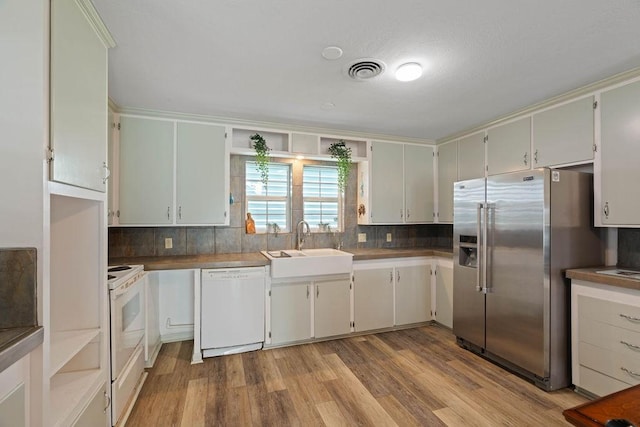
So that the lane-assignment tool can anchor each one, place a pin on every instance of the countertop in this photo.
(590, 275)
(15, 343)
(256, 259)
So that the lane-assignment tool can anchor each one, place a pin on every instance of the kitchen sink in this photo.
(308, 262)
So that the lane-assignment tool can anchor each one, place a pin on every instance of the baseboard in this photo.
(177, 336)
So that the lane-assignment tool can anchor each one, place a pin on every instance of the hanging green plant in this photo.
(262, 156)
(340, 151)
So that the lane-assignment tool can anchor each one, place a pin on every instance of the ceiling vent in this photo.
(365, 69)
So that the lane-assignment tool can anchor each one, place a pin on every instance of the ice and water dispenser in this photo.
(468, 251)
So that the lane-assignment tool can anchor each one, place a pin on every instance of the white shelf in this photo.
(71, 392)
(61, 189)
(65, 345)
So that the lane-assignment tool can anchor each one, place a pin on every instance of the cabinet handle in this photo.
(168, 209)
(605, 210)
(107, 172)
(630, 318)
(635, 347)
(317, 291)
(400, 213)
(108, 402)
(630, 372)
(525, 159)
(180, 212)
(307, 291)
(391, 277)
(535, 157)
(408, 213)
(398, 276)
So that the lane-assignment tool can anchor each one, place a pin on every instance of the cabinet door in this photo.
(146, 171)
(202, 190)
(111, 206)
(413, 294)
(418, 183)
(13, 407)
(95, 414)
(563, 134)
(509, 146)
(447, 175)
(332, 310)
(373, 299)
(78, 98)
(471, 157)
(387, 180)
(444, 296)
(290, 312)
(620, 156)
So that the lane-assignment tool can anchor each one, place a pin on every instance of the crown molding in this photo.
(289, 127)
(589, 89)
(96, 22)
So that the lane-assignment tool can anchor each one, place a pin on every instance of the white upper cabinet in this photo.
(202, 174)
(78, 97)
(471, 157)
(146, 171)
(509, 146)
(564, 134)
(387, 183)
(447, 175)
(620, 156)
(418, 183)
(396, 167)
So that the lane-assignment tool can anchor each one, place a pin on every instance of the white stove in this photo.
(127, 284)
(117, 275)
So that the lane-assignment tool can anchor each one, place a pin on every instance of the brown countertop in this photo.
(590, 275)
(256, 259)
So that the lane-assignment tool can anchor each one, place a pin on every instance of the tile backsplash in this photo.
(18, 281)
(629, 247)
(149, 241)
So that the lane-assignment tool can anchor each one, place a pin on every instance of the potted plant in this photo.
(340, 151)
(262, 156)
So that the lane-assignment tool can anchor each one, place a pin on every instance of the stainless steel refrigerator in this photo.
(514, 235)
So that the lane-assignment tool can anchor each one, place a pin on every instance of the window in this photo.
(270, 203)
(322, 202)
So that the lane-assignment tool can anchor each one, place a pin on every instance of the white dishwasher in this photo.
(232, 310)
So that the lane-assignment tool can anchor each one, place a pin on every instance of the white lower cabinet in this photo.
(14, 394)
(332, 308)
(444, 292)
(372, 298)
(96, 412)
(605, 337)
(290, 312)
(413, 294)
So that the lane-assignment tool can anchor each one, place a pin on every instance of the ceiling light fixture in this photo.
(331, 53)
(409, 71)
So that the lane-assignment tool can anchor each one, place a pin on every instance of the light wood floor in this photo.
(413, 377)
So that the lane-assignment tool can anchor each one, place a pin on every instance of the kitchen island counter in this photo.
(592, 275)
(256, 259)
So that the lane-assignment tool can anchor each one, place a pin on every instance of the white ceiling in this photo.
(261, 60)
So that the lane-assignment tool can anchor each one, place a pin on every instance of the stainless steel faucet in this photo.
(301, 233)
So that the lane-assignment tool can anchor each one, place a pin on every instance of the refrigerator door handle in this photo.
(486, 287)
(480, 265)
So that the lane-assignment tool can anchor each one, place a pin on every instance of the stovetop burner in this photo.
(119, 268)
(110, 276)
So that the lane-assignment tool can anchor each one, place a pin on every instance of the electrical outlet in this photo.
(362, 237)
(168, 243)
(388, 237)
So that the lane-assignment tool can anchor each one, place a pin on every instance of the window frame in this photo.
(314, 228)
(266, 198)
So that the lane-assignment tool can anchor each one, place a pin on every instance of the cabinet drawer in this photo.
(614, 313)
(624, 367)
(599, 384)
(609, 337)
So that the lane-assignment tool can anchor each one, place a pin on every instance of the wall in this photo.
(24, 33)
(149, 241)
